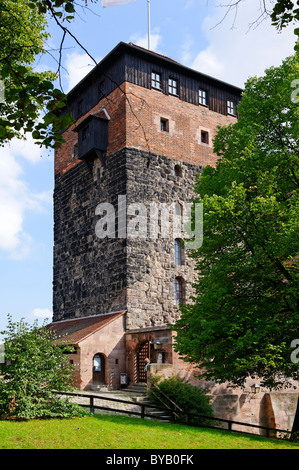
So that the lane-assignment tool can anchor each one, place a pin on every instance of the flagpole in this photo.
(149, 23)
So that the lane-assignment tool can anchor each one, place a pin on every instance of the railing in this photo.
(188, 416)
(92, 407)
(157, 389)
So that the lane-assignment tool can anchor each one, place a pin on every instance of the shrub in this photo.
(189, 398)
(34, 367)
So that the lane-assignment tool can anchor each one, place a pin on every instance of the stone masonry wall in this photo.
(89, 272)
(93, 275)
(151, 268)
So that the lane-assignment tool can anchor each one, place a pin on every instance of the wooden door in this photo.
(142, 353)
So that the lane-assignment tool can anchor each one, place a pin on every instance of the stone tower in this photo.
(144, 128)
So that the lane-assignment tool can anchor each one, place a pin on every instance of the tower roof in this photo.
(123, 48)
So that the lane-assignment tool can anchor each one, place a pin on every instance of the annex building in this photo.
(143, 130)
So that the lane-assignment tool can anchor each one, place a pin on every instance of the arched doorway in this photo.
(98, 371)
(142, 353)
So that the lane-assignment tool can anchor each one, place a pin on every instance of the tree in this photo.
(34, 367)
(244, 316)
(281, 12)
(31, 103)
(186, 397)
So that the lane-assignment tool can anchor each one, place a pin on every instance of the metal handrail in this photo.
(169, 399)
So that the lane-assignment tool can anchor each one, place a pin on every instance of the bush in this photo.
(34, 367)
(189, 398)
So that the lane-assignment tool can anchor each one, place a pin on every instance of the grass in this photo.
(117, 432)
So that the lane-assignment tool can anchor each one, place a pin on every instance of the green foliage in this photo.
(34, 367)
(189, 398)
(123, 432)
(245, 313)
(31, 102)
(285, 12)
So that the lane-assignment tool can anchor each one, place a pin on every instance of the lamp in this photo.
(255, 388)
(157, 345)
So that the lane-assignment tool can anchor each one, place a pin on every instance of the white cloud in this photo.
(185, 50)
(77, 66)
(15, 199)
(26, 149)
(142, 41)
(236, 51)
(41, 313)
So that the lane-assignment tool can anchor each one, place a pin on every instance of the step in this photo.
(137, 388)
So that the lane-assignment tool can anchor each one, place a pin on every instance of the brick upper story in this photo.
(152, 103)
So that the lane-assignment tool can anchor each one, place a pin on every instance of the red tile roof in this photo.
(74, 331)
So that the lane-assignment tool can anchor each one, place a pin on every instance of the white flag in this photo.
(112, 3)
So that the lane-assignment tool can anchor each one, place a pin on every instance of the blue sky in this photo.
(189, 31)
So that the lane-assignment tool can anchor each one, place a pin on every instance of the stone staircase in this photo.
(138, 388)
(136, 393)
(156, 413)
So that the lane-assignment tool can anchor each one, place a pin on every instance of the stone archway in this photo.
(99, 369)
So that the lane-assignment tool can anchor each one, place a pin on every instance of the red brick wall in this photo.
(183, 141)
(115, 107)
(135, 122)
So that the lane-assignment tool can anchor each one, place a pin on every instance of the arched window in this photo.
(179, 290)
(178, 252)
(177, 220)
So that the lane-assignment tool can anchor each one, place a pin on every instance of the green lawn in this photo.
(117, 432)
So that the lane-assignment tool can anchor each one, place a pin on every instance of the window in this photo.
(231, 108)
(178, 252)
(204, 137)
(202, 95)
(179, 290)
(178, 171)
(164, 125)
(177, 220)
(156, 80)
(172, 86)
(75, 151)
